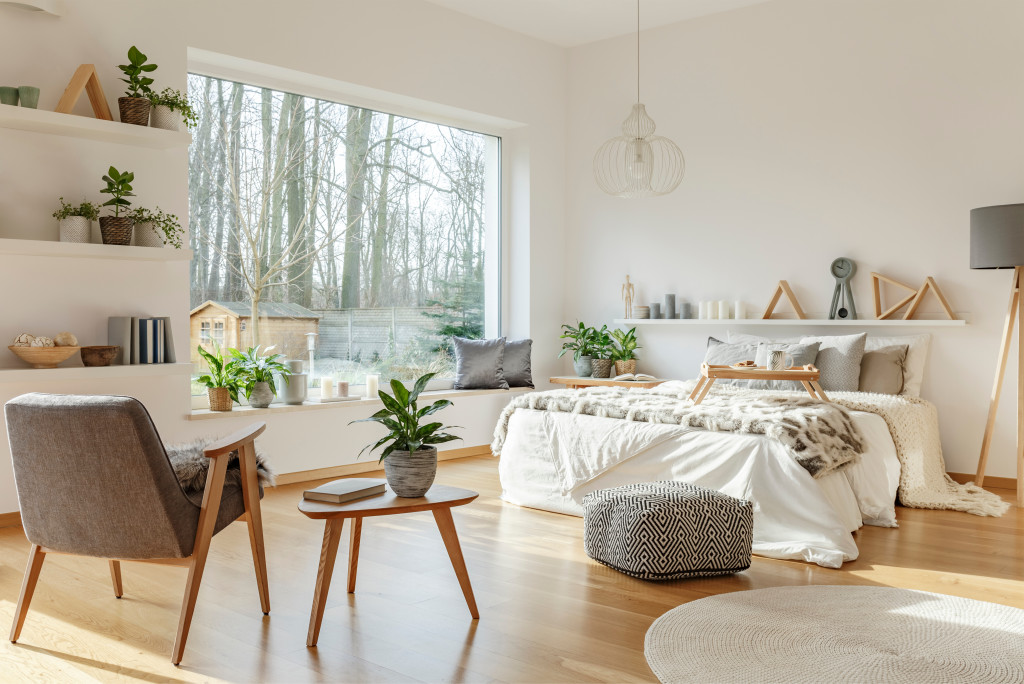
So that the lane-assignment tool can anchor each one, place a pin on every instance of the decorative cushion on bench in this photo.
(668, 530)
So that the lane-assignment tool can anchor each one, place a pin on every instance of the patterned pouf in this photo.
(668, 530)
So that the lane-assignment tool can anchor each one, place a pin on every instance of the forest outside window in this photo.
(374, 235)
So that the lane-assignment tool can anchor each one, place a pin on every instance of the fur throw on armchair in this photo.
(191, 466)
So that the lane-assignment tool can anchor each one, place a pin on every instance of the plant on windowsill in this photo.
(117, 229)
(171, 108)
(156, 228)
(581, 344)
(603, 348)
(76, 222)
(222, 381)
(624, 354)
(256, 374)
(410, 454)
(134, 105)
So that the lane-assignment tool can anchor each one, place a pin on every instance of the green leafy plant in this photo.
(626, 345)
(603, 345)
(252, 367)
(223, 373)
(136, 70)
(581, 340)
(178, 102)
(119, 186)
(402, 417)
(168, 224)
(86, 210)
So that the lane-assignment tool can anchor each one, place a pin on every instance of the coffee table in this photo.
(807, 375)
(577, 382)
(439, 500)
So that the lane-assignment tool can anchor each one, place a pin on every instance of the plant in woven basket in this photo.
(165, 227)
(117, 229)
(135, 105)
(624, 353)
(223, 379)
(602, 349)
(86, 210)
(174, 101)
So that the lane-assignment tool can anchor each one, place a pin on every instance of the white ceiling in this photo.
(575, 22)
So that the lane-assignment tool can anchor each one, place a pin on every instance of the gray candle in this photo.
(655, 310)
(685, 310)
(670, 306)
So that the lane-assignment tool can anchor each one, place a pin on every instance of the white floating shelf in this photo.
(84, 250)
(802, 322)
(89, 128)
(9, 375)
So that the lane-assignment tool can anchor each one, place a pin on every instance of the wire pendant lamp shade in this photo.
(639, 163)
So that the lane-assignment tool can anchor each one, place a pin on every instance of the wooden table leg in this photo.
(355, 532)
(328, 552)
(696, 388)
(704, 392)
(115, 577)
(810, 390)
(821, 393)
(445, 523)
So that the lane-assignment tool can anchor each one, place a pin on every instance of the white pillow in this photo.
(917, 356)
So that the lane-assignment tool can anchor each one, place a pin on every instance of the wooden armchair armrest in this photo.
(234, 441)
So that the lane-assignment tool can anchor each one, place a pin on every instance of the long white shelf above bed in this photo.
(804, 322)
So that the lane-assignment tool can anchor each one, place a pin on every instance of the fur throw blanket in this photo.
(191, 466)
(821, 437)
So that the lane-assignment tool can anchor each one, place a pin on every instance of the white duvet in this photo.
(551, 460)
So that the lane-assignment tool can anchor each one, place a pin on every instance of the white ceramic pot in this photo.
(75, 229)
(146, 235)
(163, 116)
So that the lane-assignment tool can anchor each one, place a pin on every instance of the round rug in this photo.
(837, 634)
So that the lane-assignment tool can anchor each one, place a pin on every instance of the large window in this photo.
(367, 237)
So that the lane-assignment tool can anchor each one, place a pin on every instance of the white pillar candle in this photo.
(723, 309)
(326, 388)
(702, 311)
(712, 310)
(371, 386)
(739, 310)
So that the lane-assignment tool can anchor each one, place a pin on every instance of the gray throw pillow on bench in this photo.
(479, 364)
(517, 366)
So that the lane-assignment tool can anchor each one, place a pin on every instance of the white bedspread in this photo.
(551, 460)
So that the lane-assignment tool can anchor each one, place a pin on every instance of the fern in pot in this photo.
(624, 353)
(256, 373)
(76, 222)
(410, 451)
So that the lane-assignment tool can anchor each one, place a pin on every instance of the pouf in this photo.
(668, 530)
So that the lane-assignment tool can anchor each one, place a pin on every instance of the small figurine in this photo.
(628, 292)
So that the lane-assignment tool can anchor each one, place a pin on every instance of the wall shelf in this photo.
(79, 250)
(793, 322)
(10, 375)
(88, 128)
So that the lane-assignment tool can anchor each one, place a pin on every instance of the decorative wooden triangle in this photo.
(929, 284)
(783, 288)
(85, 78)
(876, 279)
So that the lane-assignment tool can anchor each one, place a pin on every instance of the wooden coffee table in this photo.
(807, 375)
(577, 383)
(439, 499)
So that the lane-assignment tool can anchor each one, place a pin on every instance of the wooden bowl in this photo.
(44, 357)
(99, 355)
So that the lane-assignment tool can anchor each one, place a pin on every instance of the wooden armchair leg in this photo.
(115, 577)
(254, 518)
(28, 587)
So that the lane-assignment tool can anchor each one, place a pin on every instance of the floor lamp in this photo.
(997, 241)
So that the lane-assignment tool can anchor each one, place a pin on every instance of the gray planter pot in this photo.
(411, 474)
(164, 117)
(295, 388)
(261, 395)
(583, 367)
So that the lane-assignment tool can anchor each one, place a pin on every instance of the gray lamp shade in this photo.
(997, 236)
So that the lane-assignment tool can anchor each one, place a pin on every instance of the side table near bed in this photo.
(577, 382)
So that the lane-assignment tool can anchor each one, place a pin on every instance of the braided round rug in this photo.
(837, 634)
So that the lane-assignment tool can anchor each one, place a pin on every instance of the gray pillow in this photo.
(802, 354)
(517, 366)
(722, 354)
(881, 370)
(839, 361)
(479, 364)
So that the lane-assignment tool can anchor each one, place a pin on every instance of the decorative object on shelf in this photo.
(410, 451)
(39, 356)
(723, 309)
(76, 222)
(156, 228)
(295, 385)
(171, 108)
(655, 308)
(222, 381)
(326, 388)
(9, 95)
(581, 343)
(85, 78)
(100, 355)
(42, 341)
(669, 309)
(685, 310)
(783, 289)
(624, 354)
(842, 269)
(134, 105)
(929, 284)
(603, 347)
(65, 339)
(628, 293)
(643, 312)
(23, 340)
(638, 163)
(997, 241)
(341, 389)
(256, 374)
(28, 97)
(876, 287)
(117, 229)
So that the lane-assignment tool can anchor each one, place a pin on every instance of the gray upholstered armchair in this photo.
(94, 480)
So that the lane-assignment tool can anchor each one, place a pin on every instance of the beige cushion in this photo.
(881, 370)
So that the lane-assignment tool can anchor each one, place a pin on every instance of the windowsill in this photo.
(248, 411)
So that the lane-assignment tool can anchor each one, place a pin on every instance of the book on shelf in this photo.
(341, 491)
(143, 339)
(634, 377)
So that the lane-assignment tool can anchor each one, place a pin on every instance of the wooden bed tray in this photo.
(807, 375)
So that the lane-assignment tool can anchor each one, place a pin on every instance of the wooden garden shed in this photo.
(229, 324)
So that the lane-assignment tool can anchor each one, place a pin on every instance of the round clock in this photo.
(842, 270)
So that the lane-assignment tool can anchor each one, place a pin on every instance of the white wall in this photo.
(812, 129)
(405, 47)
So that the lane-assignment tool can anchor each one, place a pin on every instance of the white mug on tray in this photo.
(779, 360)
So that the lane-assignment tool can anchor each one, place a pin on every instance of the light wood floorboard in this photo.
(547, 612)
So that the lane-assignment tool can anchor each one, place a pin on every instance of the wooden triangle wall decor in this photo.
(929, 284)
(85, 78)
(783, 289)
(876, 283)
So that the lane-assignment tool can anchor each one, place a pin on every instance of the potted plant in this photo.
(134, 106)
(256, 374)
(117, 229)
(222, 382)
(76, 222)
(156, 228)
(170, 109)
(581, 340)
(602, 347)
(410, 454)
(624, 353)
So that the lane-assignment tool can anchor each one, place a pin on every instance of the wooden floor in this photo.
(548, 613)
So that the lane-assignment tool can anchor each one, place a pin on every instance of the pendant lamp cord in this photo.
(638, 51)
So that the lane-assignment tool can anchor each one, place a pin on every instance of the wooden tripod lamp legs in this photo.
(1014, 314)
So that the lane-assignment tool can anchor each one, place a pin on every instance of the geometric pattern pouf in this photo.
(668, 530)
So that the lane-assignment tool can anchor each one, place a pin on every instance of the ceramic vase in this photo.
(28, 96)
(601, 368)
(583, 366)
(295, 387)
(164, 117)
(410, 474)
(8, 95)
(75, 229)
(261, 395)
(146, 235)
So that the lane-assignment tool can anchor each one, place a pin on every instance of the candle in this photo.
(342, 388)
(712, 310)
(371, 386)
(326, 388)
(670, 306)
(685, 310)
(702, 310)
(723, 309)
(739, 310)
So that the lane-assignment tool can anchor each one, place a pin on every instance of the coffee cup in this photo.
(779, 360)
